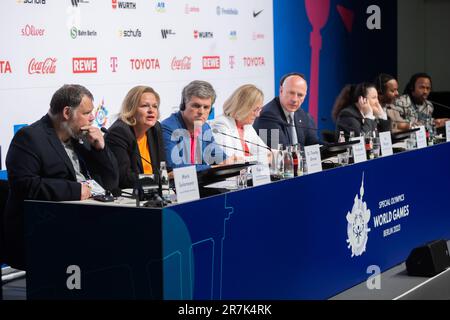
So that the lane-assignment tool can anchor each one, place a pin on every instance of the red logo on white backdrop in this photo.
(113, 63)
(181, 64)
(145, 64)
(32, 31)
(258, 36)
(254, 62)
(231, 61)
(84, 65)
(48, 66)
(5, 66)
(211, 62)
(114, 4)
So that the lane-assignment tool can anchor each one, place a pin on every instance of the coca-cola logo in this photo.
(32, 31)
(181, 64)
(47, 66)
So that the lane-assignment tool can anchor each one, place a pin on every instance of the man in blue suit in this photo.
(286, 123)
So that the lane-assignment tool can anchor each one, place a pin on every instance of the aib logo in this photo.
(113, 63)
(161, 7)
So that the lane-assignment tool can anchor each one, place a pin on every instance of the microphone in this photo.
(246, 141)
(439, 104)
(287, 124)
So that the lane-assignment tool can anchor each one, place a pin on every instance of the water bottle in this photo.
(280, 161)
(288, 163)
(430, 132)
(350, 149)
(341, 137)
(164, 181)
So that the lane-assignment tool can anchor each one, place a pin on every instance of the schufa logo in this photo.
(48, 66)
(181, 64)
(211, 62)
(84, 65)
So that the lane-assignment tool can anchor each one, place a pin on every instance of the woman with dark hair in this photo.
(357, 109)
(387, 87)
(136, 137)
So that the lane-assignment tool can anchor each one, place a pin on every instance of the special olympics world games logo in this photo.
(101, 115)
(357, 224)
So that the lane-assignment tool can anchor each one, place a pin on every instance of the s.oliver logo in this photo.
(48, 66)
(211, 62)
(84, 65)
(32, 31)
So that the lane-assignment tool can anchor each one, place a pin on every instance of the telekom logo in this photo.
(114, 63)
(42, 67)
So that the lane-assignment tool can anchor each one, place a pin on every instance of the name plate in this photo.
(447, 130)
(421, 137)
(313, 159)
(260, 174)
(186, 184)
(386, 143)
(359, 150)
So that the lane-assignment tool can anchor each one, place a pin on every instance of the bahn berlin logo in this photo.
(47, 66)
(211, 62)
(75, 32)
(357, 224)
(227, 11)
(84, 65)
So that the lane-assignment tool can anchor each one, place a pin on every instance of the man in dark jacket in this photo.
(286, 123)
(55, 159)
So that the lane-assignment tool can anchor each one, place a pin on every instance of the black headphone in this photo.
(301, 75)
(380, 82)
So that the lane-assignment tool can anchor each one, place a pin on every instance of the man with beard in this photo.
(55, 159)
(413, 106)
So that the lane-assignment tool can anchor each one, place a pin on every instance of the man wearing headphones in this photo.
(413, 105)
(284, 119)
(187, 137)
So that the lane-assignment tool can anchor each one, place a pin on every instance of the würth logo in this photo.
(48, 66)
(84, 65)
(5, 66)
(211, 62)
(123, 4)
(203, 34)
(167, 32)
(254, 62)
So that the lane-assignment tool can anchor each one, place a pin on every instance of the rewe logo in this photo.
(211, 62)
(47, 66)
(5, 66)
(357, 224)
(84, 65)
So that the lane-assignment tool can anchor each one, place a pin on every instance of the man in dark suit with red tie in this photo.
(283, 118)
(55, 159)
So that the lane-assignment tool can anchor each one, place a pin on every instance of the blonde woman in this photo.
(136, 137)
(234, 128)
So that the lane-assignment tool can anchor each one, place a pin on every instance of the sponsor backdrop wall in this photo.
(110, 46)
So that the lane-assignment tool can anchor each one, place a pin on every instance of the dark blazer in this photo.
(351, 119)
(122, 141)
(273, 119)
(40, 169)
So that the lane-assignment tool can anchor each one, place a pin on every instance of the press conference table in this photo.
(301, 238)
